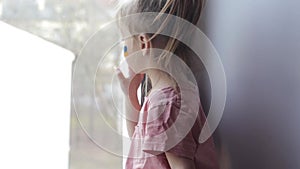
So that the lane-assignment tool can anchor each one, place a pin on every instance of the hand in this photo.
(130, 84)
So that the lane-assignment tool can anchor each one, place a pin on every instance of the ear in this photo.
(145, 43)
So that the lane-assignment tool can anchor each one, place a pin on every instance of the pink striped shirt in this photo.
(151, 139)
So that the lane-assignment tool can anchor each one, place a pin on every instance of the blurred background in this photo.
(66, 23)
(69, 24)
(259, 45)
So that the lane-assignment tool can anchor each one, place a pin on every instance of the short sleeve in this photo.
(157, 140)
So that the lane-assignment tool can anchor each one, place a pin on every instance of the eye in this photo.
(125, 51)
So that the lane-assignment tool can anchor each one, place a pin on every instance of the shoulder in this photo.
(164, 96)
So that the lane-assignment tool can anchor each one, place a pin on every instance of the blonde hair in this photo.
(189, 10)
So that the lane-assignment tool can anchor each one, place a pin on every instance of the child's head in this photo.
(189, 10)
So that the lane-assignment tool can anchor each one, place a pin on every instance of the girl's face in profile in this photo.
(130, 46)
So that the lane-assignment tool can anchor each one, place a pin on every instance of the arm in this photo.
(177, 162)
(129, 87)
(132, 108)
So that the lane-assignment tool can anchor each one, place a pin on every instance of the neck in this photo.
(160, 79)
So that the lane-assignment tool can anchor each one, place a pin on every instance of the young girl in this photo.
(164, 100)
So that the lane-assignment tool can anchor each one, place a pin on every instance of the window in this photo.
(71, 24)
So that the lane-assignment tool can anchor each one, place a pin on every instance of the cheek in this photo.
(130, 47)
(133, 45)
(128, 50)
